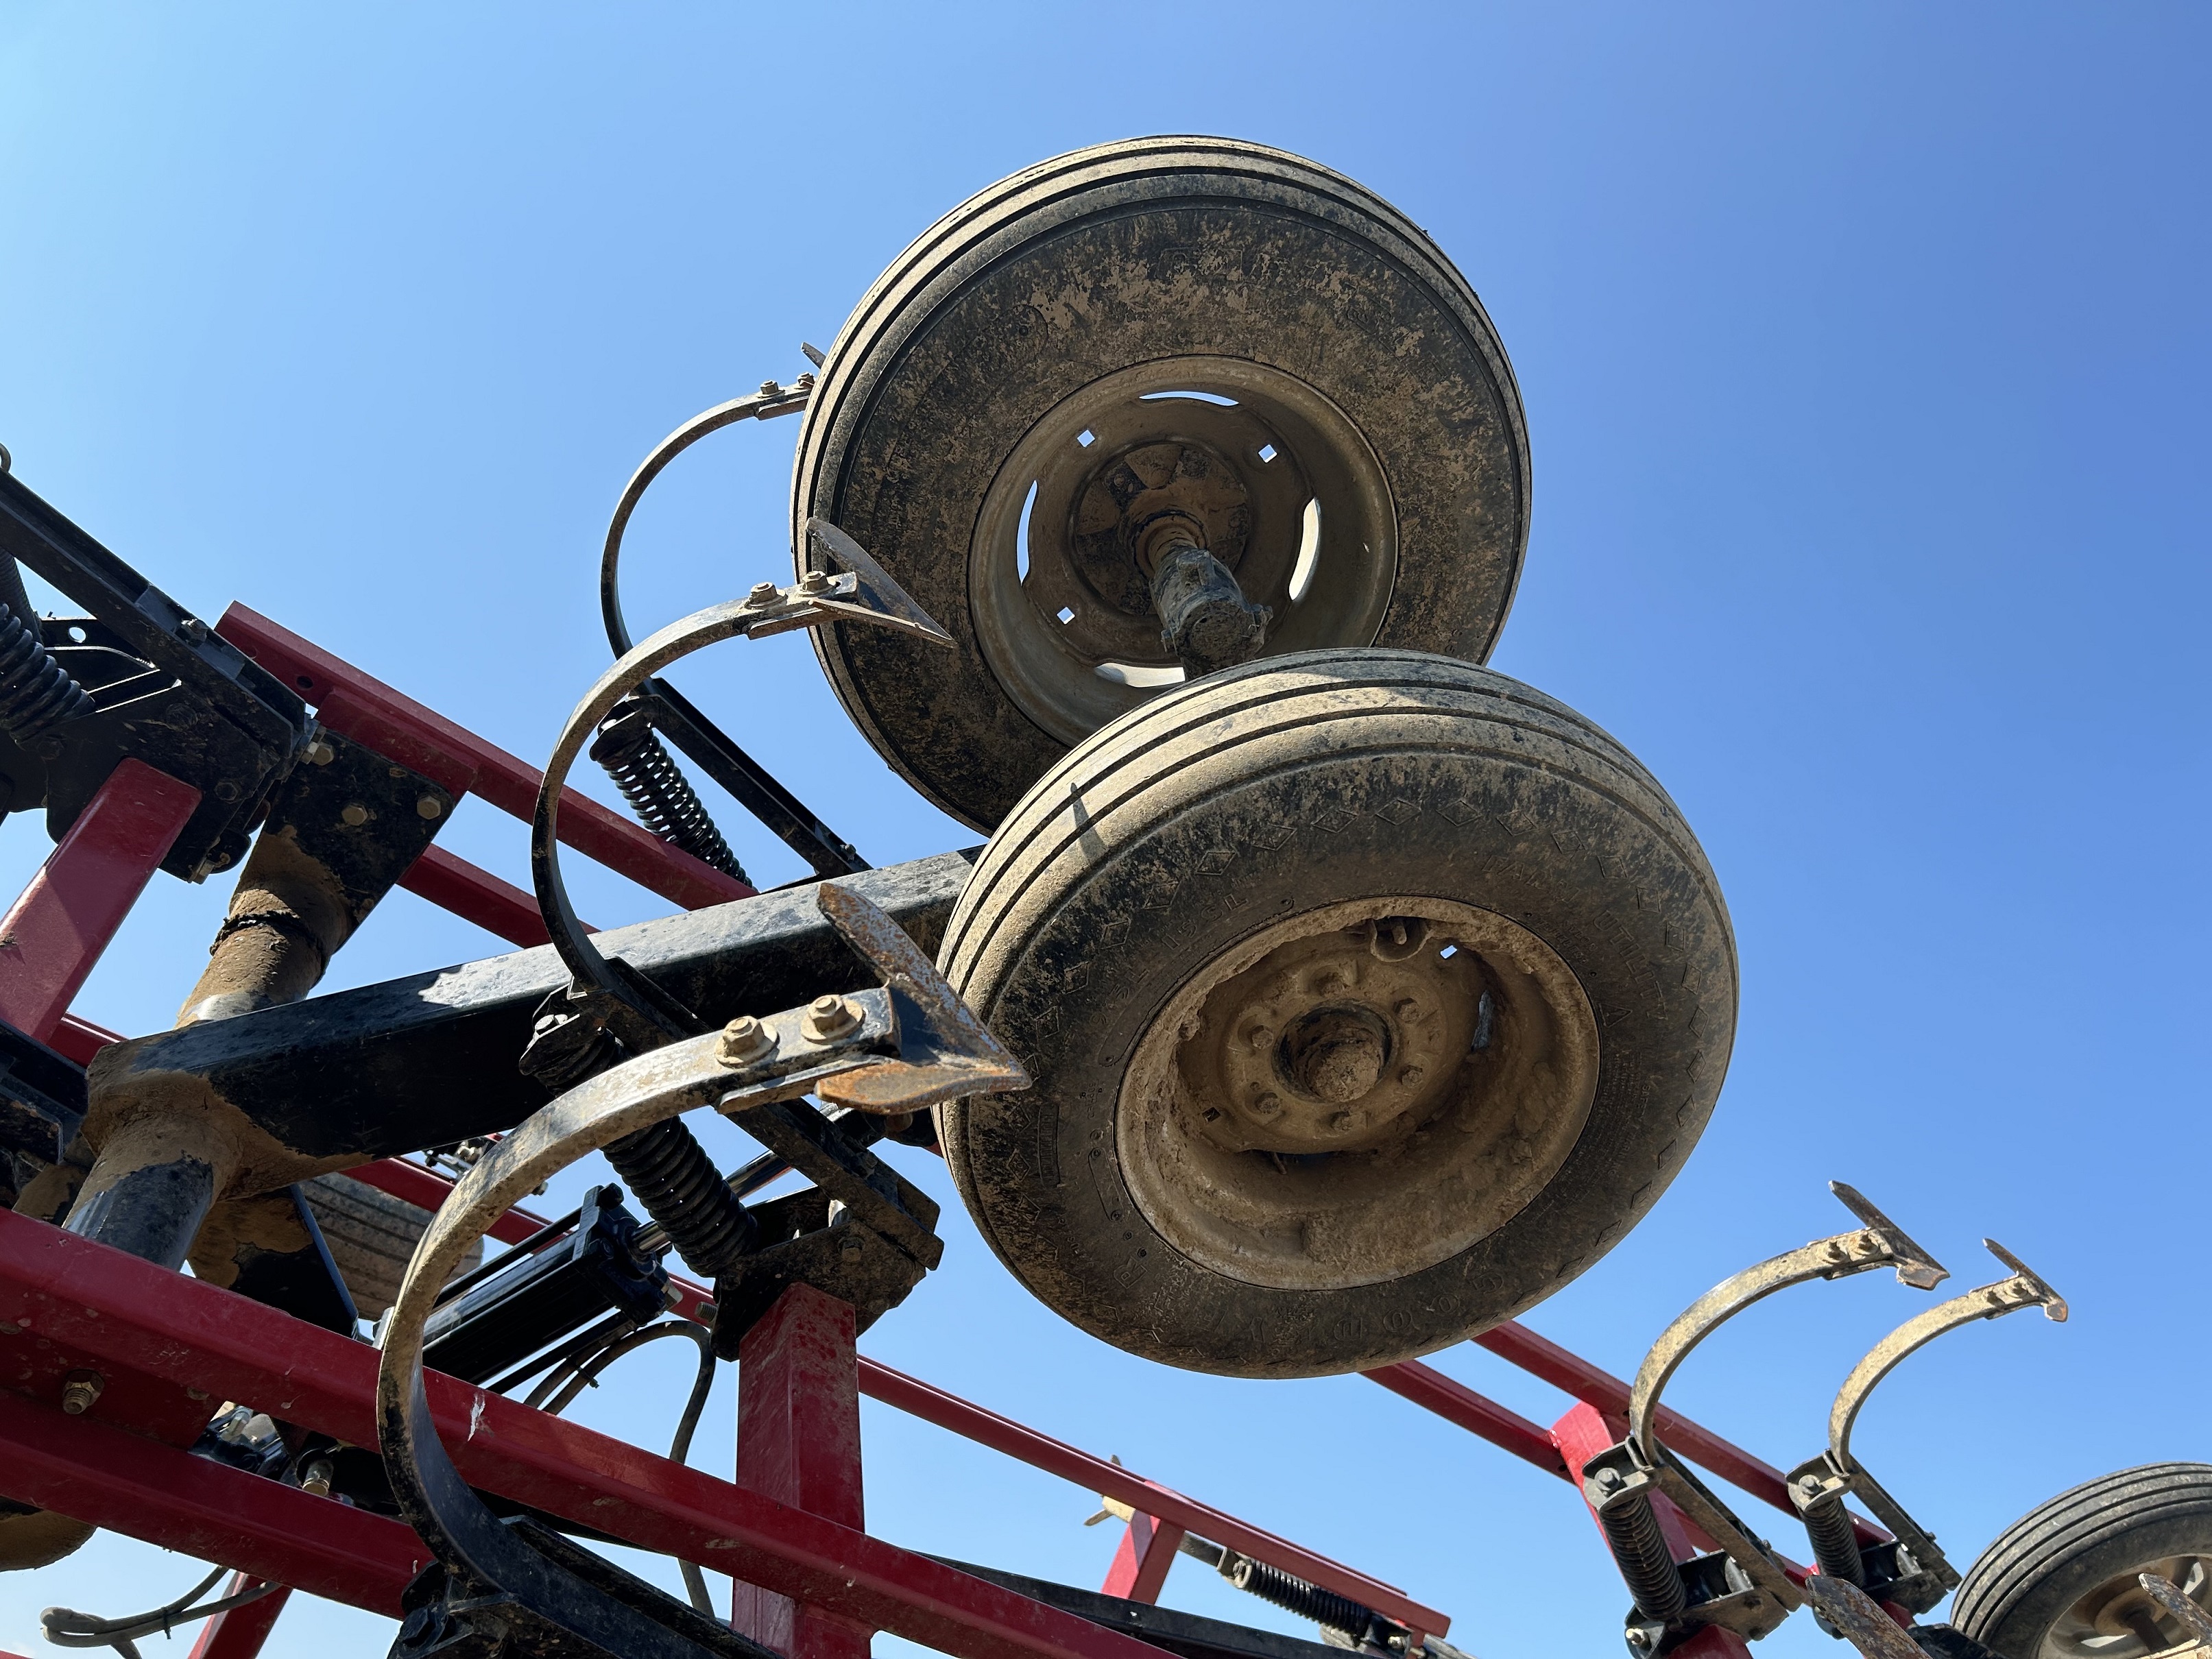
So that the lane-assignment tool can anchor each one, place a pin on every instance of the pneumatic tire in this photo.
(1370, 997)
(1168, 324)
(2060, 1581)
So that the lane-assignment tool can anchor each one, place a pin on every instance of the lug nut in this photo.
(827, 1018)
(763, 593)
(80, 1390)
(744, 1041)
(1267, 1105)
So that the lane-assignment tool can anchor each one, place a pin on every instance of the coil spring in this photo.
(1835, 1544)
(1641, 1553)
(1295, 1595)
(659, 793)
(672, 1177)
(36, 692)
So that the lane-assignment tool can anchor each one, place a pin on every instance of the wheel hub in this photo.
(1146, 487)
(1356, 1093)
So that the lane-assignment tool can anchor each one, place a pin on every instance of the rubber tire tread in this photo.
(901, 695)
(371, 1238)
(2063, 1549)
(1135, 776)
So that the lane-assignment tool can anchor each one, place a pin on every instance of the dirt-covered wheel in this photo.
(1192, 330)
(1369, 996)
(2061, 1583)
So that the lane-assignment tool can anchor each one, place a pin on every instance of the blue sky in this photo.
(1864, 351)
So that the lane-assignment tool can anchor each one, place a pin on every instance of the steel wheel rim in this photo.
(2104, 1623)
(1353, 1139)
(1070, 674)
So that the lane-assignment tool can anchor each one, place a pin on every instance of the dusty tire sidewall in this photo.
(969, 340)
(1100, 944)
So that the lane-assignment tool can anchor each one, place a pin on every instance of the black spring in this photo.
(36, 693)
(659, 793)
(1641, 1553)
(1835, 1544)
(1295, 1595)
(672, 1177)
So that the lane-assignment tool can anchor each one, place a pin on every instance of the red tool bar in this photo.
(476, 894)
(65, 918)
(238, 1633)
(919, 1398)
(94, 1471)
(358, 706)
(1521, 1346)
(115, 1310)
(1455, 1402)
(80, 1040)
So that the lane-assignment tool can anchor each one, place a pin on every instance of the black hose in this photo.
(553, 1393)
(66, 1627)
(36, 692)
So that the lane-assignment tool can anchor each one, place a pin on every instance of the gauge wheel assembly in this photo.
(1192, 333)
(1369, 996)
(2060, 1583)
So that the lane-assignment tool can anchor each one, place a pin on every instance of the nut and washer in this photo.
(814, 581)
(744, 1041)
(763, 593)
(827, 1018)
(80, 1389)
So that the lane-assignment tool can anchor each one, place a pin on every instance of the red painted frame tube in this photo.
(197, 1335)
(362, 707)
(238, 1632)
(56, 931)
(1140, 1566)
(473, 894)
(1455, 1402)
(1519, 1345)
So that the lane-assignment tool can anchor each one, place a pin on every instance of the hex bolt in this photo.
(194, 631)
(429, 807)
(315, 1480)
(319, 752)
(1267, 1105)
(814, 581)
(763, 593)
(80, 1390)
(744, 1041)
(827, 1018)
(1639, 1638)
(1608, 1479)
(354, 816)
(770, 389)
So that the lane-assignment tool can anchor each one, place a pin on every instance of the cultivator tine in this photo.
(1917, 1576)
(1856, 1616)
(891, 605)
(1620, 1484)
(2195, 1622)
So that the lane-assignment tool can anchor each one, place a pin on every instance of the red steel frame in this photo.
(811, 1582)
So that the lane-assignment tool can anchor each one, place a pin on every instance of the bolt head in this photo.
(1608, 1479)
(354, 816)
(770, 388)
(319, 753)
(1267, 1105)
(827, 1018)
(429, 807)
(744, 1041)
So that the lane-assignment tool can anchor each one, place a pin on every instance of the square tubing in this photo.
(1580, 1435)
(799, 1443)
(65, 918)
(1140, 1566)
(238, 1632)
